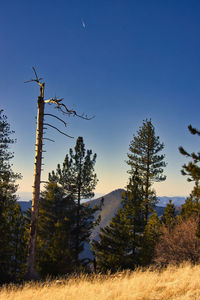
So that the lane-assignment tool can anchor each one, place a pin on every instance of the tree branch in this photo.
(48, 139)
(38, 80)
(47, 124)
(56, 118)
(60, 106)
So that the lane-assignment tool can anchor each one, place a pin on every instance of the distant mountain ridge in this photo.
(163, 200)
(177, 200)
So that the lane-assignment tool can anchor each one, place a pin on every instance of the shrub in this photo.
(179, 244)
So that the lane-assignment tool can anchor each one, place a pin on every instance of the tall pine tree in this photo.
(144, 155)
(78, 179)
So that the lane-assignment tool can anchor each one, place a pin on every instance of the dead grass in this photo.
(173, 283)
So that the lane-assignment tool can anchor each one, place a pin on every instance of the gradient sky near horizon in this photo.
(122, 61)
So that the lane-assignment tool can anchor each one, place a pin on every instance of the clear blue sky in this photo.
(133, 60)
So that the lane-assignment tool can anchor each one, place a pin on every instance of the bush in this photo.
(179, 244)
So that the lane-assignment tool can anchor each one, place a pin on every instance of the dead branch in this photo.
(67, 111)
(38, 80)
(48, 139)
(56, 118)
(47, 124)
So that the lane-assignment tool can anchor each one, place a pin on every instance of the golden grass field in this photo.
(172, 283)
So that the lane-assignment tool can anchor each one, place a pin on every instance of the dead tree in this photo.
(31, 272)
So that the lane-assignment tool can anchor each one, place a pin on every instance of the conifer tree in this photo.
(78, 179)
(150, 238)
(191, 169)
(18, 243)
(169, 216)
(119, 244)
(56, 232)
(11, 219)
(191, 207)
(144, 155)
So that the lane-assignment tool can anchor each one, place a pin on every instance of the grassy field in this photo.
(172, 283)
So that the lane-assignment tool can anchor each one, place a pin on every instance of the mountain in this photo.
(178, 201)
(111, 204)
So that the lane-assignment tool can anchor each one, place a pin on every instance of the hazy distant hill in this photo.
(24, 205)
(178, 201)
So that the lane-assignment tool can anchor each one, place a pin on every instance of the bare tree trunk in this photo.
(31, 273)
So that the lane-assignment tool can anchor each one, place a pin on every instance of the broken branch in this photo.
(60, 106)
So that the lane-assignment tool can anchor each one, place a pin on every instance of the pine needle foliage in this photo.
(55, 241)
(11, 218)
(150, 238)
(144, 156)
(78, 179)
(192, 170)
(191, 207)
(169, 216)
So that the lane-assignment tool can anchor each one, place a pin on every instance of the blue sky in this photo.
(133, 60)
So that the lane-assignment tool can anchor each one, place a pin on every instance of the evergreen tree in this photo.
(150, 238)
(191, 207)
(119, 245)
(78, 179)
(18, 243)
(191, 169)
(144, 156)
(56, 232)
(169, 215)
(11, 219)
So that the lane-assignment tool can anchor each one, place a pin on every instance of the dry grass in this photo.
(173, 283)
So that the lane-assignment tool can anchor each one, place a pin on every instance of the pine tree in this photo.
(11, 219)
(18, 243)
(56, 232)
(169, 216)
(191, 207)
(78, 179)
(191, 169)
(150, 238)
(144, 156)
(119, 243)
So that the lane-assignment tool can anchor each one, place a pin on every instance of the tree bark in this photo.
(31, 273)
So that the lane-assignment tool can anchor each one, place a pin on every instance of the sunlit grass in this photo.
(172, 283)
